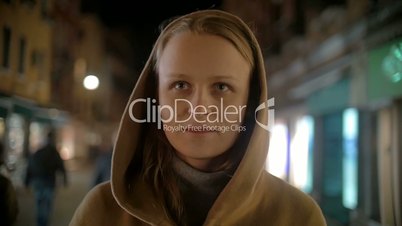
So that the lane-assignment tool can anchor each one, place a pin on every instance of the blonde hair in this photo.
(158, 153)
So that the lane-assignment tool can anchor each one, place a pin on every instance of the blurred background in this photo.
(334, 69)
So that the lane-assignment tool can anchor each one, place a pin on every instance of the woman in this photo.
(189, 150)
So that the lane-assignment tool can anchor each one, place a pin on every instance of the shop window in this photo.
(332, 167)
(302, 154)
(350, 158)
(277, 161)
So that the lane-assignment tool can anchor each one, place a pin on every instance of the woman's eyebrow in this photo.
(210, 77)
(224, 77)
(177, 75)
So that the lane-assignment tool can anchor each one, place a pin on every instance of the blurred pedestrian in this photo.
(8, 198)
(42, 170)
(103, 156)
(102, 163)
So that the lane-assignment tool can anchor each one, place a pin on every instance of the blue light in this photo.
(350, 158)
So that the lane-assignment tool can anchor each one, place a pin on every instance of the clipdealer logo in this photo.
(269, 104)
(218, 114)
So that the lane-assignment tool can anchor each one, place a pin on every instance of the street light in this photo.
(91, 82)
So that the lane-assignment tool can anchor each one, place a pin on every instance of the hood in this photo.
(141, 202)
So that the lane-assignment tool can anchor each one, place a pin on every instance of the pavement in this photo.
(67, 198)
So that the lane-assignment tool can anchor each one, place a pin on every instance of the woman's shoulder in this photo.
(101, 194)
(281, 195)
(285, 190)
(97, 204)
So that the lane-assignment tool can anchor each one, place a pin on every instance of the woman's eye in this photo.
(180, 85)
(222, 87)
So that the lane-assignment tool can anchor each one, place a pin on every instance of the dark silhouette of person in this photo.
(103, 164)
(8, 204)
(42, 170)
(103, 158)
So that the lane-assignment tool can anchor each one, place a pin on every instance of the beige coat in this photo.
(252, 196)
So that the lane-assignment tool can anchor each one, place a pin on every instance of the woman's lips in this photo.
(200, 131)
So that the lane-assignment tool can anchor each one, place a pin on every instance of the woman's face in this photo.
(205, 80)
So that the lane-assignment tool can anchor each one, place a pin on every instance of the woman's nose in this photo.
(201, 102)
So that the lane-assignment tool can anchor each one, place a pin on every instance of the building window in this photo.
(29, 3)
(22, 53)
(43, 8)
(37, 60)
(6, 47)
